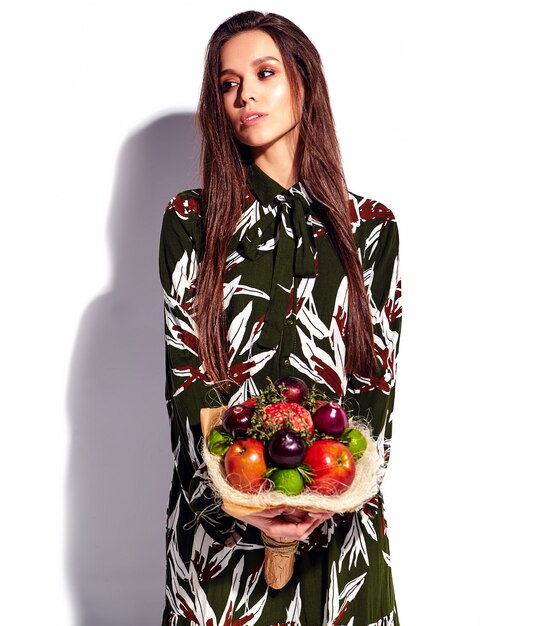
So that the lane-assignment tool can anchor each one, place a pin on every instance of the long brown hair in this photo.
(318, 164)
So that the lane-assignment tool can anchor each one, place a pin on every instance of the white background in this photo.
(434, 108)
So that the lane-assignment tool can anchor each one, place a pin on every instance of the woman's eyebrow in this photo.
(253, 63)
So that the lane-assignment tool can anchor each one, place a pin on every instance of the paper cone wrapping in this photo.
(279, 560)
(280, 552)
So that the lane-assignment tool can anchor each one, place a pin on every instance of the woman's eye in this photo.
(227, 84)
(266, 70)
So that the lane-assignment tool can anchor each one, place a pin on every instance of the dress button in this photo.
(289, 322)
(286, 362)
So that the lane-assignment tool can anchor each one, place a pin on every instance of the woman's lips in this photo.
(252, 118)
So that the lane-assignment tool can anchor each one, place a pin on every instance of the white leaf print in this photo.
(183, 274)
(236, 331)
(176, 452)
(250, 586)
(247, 389)
(179, 572)
(304, 368)
(332, 604)
(371, 241)
(305, 288)
(326, 370)
(233, 592)
(251, 216)
(293, 616)
(367, 524)
(236, 287)
(255, 612)
(352, 588)
(172, 550)
(338, 323)
(195, 459)
(203, 609)
(178, 329)
(354, 544)
(308, 318)
(337, 603)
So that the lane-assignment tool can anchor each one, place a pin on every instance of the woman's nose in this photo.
(247, 91)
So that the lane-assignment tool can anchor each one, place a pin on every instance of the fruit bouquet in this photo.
(288, 445)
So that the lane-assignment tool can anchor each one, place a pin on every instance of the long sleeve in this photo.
(373, 397)
(187, 387)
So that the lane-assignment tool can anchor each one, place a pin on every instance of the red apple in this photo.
(333, 466)
(245, 465)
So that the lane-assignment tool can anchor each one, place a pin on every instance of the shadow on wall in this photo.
(120, 462)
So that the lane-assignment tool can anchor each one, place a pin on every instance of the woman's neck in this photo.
(278, 165)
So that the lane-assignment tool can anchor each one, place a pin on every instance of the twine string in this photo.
(279, 546)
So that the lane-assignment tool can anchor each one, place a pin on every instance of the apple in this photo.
(333, 466)
(330, 419)
(245, 465)
(292, 388)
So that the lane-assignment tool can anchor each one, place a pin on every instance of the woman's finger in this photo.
(296, 530)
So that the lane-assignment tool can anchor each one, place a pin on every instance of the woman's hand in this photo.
(287, 522)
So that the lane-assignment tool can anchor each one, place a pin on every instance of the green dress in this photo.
(286, 295)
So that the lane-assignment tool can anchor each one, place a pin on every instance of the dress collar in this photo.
(264, 187)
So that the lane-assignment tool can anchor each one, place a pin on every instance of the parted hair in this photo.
(223, 164)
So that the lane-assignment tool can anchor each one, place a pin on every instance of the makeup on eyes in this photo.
(225, 84)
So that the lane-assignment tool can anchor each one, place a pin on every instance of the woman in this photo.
(274, 268)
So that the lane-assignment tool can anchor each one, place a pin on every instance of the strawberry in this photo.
(251, 402)
(289, 414)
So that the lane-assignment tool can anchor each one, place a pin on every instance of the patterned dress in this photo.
(285, 292)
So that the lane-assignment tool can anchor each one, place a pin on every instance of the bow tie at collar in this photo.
(289, 226)
(295, 252)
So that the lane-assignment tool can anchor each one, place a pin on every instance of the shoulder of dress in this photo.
(366, 210)
(374, 228)
(186, 204)
(181, 218)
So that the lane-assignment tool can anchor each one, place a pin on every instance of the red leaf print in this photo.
(239, 372)
(338, 618)
(341, 317)
(194, 375)
(370, 209)
(187, 611)
(183, 206)
(205, 571)
(329, 375)
(243, 620)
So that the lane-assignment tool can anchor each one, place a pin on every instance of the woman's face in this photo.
(253, 80)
